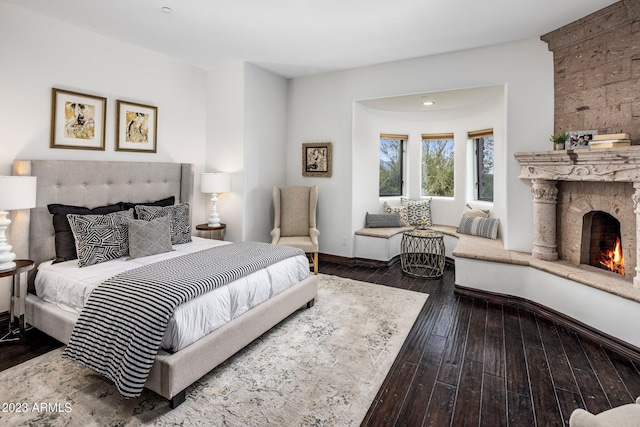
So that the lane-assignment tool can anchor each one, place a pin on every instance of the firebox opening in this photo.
(601, 242)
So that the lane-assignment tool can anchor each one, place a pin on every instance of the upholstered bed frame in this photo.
(92, 183)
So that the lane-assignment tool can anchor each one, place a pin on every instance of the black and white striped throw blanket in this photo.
(120, 329)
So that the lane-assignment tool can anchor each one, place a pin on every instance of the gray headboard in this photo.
(89, 184)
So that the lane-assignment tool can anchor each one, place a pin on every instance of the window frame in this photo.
(478, 138)
(437, 137)
(403, 140)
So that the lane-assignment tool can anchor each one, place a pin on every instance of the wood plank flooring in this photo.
(470, 363)
(467, 362)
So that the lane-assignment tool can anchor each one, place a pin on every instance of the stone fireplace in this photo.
(584, 201)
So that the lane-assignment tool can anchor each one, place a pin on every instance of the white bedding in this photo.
(68, 286)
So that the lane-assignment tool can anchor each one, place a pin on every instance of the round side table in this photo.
(422, 253)
(216, 233)
(18, 299)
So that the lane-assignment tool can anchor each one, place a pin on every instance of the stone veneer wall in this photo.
(575, 199)
(597, 71)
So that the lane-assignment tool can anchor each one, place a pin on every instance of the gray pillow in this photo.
(149, 237)
(100, 238)
(178, 215)
(385, 220)
(477, 226)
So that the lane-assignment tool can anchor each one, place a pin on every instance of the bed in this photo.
(89, 183)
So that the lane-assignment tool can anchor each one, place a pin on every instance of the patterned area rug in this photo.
(320, 367)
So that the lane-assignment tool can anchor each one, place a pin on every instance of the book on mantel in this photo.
(610, 140)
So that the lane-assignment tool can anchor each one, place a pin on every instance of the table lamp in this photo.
(215, 183)
(16, 192)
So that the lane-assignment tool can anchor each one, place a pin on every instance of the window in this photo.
(437, 165)
(391, 162)
(483, 145)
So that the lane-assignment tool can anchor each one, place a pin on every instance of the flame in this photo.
(612, 259)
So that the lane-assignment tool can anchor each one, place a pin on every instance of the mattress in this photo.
(68, 286)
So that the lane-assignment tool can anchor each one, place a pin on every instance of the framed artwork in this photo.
(580, 139)
(316, 159)
(137, 127)
(77, 120)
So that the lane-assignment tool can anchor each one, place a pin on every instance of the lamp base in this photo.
(5, 266)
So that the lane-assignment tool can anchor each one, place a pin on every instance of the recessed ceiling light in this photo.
(166, 9)
(428, 103)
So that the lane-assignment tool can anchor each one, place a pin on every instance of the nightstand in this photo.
(18, 299)
(216, 233)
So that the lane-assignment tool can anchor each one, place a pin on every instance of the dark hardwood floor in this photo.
(470, 363)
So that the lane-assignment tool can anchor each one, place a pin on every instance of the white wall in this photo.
(225, 143)
(370, 123)
(39, 53)
(321, 109)
(246, 131)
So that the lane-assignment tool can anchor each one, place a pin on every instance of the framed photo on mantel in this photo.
(580, 139)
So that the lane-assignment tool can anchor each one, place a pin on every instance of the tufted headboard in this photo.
(89, 184)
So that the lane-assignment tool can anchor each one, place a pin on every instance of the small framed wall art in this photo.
(137, 127)
(77, 120)
(316, 159)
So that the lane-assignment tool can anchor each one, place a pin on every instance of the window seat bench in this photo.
(382, 245)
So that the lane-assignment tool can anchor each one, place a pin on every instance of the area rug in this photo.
(320, 367)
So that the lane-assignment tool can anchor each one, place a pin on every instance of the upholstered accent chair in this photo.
(622, 416)
(295, 220)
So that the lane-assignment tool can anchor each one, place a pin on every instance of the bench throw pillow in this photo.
(482, 213)
(478, 226)
(178, 216)
(400, 210)
(382, 220)
(419, 211)
(149, 237)
(100, 238)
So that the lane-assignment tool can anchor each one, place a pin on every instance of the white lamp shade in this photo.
(215, 183)
(17, 192)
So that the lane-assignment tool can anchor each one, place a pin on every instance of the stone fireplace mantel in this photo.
(546, 168)
(619, 165)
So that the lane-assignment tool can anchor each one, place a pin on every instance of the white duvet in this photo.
(68, 286)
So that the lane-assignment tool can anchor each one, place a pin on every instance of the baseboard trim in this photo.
(335, 259)
(612, 343)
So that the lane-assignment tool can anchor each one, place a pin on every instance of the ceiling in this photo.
(295, 38)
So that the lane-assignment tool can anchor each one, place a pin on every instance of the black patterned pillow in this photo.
(100, 238)
(418, 211)
(65, 244)
(178, 215)
(477, 226)
(382, 220)
(400, 210)
(149, 237)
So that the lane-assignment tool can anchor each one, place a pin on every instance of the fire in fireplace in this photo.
(602, 238)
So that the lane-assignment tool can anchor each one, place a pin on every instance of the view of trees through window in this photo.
(484, 150)
(391, 151)
(437, 167)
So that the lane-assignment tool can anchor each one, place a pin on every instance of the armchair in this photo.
(295, 220)
(621, 416)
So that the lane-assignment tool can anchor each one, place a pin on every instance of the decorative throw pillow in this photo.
(418, 211)
(383, 220)
(400, 210)
(482, 213)
(100, 238)
(178, 215)
(149, 237)
(162, 202)
(477, 226)
(65, 243)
